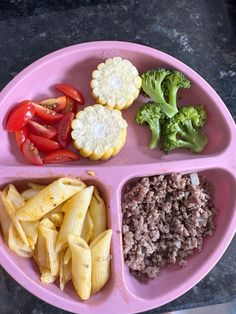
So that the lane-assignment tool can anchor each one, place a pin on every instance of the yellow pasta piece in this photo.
(17, 245)
(50, 236)
(31, 231)
(5, 220)
(14, 197)
(97, 209)
(46, 276)
(87, 230)
(81, 266)
(40, 253)
(100, 249)
(49, 198)
(57, 219)
(46, 222)
(28, 194)
(12, 200)
(65, 271)
(36, 186)
(55, 210)
(76, 209)
(67, 256)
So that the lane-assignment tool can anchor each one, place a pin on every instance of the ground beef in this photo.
(165, 219)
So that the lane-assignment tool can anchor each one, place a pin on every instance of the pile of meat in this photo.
(165, 219)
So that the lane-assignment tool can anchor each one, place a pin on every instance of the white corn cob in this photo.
(99, 132)
(116, 83)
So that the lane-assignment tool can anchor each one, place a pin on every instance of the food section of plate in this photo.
(165, 217)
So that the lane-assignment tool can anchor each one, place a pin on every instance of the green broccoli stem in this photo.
(155, 129)
(173, 97)
(193, 139)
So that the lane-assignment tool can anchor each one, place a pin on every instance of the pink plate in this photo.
(123, 294)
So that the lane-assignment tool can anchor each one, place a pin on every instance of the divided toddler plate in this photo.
(123, 293)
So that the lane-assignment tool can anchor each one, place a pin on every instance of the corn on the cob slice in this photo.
(99, 132)
(116, 83)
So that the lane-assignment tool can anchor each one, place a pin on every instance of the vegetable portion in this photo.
(20, 115)
(57, 104)
(184, 130)
(44, 144)
(99, 132)
(36, 124)
(159, 83)
(31, 153)
(116, 83)
(180, 128)
(21, 136)
(151, 114)
(60, 155)
(64, 129)
(70, 91)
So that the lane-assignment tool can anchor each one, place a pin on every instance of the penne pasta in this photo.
(40, 253)
(54, 224)
(31, 231)
(28, 194)
(67, 256)
(17, 245)
(36, 186)
(48, 198)
(87, 230)
(14, 197)
(50, 237)
(11, 200)
(55, 210)
(81, 266)
(100, 249)
(5, 220)
(46, 222)
(65, 271)
(46, 276)
(97, 209)
(76, 209)
(57, 219)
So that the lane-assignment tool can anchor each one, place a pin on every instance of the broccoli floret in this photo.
(173, 82)
(183, 130)
(159, 83)
(151, 114)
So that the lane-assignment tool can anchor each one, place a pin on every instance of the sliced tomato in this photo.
(47, 131)
(64, 129)
(20, 115)
(47, 114)
(44, 144)
(57, 104)
(71, 105)
(31, 153)
(60, 155)
(21, 136)
(70, 91)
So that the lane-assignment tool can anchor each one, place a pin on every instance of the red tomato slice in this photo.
(47, 131)
(31, 153)
(21, 136)
(70, 91)
(44, 144)
(47, 114)
(60, 155)
(20, 115)
(71, 105)
(64, 129)
(57, 104)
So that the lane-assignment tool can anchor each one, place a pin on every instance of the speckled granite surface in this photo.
(200, 33)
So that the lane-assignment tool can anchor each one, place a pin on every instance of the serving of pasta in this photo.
(63, 227)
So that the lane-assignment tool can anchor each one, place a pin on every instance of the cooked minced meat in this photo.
(165, 219)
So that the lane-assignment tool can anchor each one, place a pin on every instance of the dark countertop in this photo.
(200, 33)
